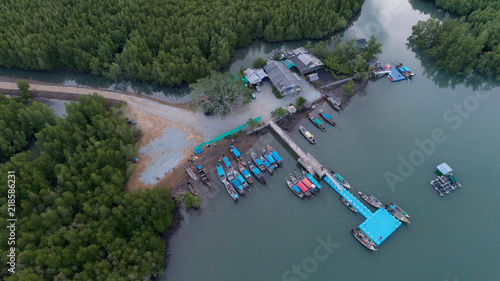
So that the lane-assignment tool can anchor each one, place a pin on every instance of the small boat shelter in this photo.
(444, 169)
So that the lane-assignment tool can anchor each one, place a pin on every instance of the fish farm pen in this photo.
(445, 182)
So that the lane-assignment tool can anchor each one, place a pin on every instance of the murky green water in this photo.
(273, 235)
(436, 117)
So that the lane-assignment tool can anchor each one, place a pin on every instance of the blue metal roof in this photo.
(444, 168)
(380, 226)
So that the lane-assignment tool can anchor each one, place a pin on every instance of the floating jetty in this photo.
(394, 74)
(445, 182)
(379, 225)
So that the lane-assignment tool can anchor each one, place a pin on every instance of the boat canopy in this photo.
(296, 189)
(317, 122)
(444, 169)
(339, 177)
(313, 180)
(220, 171)
(226, 161)
(237, 184)
(246, 173)
(241, 179)
(327, 116)
(309, 135)
(256, 171)
(276, 156)
(259, 162)
(199, 167)
(270, 159)
(235, 151)
(302, 186)
(406, 68)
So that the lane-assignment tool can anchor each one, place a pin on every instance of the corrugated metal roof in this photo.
(444, 168)
(281, 77)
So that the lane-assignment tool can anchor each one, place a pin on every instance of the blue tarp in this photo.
(270, 159)
(237, 184)
(256, 171)
(226, 162)
(246, 174)
(259, 162)
(316, 183)
(241, 179)
(198, 151)
(220, 171)
(327, 116)
(276, 156)
(296, 189)
(235, 151)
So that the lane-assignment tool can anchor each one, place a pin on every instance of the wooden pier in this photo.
(305, 159)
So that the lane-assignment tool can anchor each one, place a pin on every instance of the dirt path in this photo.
(153, 118)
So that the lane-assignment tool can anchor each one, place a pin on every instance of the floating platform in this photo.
(379, 225)
(445, 182)
(394, 74)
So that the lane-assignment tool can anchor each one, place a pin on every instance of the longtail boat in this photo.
(348, 204)
(256, 172)
(396, 214)
(334, 102)
(203, 176)
(267, 165)
(302, 187)
(309, 185)
(327, 117)
(301, 178)
(370, 199)
(237, 186)
(275, 155)
(242, 180)
(295, 189)
(307, 135)
(221, 173)
(269, 158)
(398, 209)
(364, 239)
(235, 152)
(317, 122)
(244, 172)
(227, 164)
(342, 181)
(231, 191)
(192, 189)
(309, 177)
(257, 161)
(190, 173)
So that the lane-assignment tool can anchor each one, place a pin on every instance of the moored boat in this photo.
(269, 158)
(275, 155)
(227, 164)
(295, 189)
(203, 176)
(342, 181)
(242, 180)
(257, 161)
(237, 186)
(307, 135)
(364, 239)
(348, 204)
(231, 191)
(327, 117)
(190, 173)
(235, 152)
(312, 179)
(192, 189)
(302, 187)
(244, 172)
(334, 102)
(309, 185)
(398, 209)
(267, 165)
(221, 173)
(370, 199)
(256, 172)
(300, 176)
(396, 214)
(317, 122)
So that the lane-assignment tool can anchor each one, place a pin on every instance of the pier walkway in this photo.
(305, 159)
(379, 225)
(336, 83)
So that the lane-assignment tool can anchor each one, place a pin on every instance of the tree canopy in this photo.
(74, 222)
(259, 62)
(219, 93)
(459, 46)
(346, 59)
(165, 42)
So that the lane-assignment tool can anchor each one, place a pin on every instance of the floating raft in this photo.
(394, 74)
(379, 225)
(445, 182)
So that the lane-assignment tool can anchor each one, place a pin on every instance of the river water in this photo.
(388, 142)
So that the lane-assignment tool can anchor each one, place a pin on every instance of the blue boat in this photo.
(268, 166)
(258, 161)
(316, 183)
(256, 172)
(235, 151)
(269, 158)
(243, 170)
(229, 168)
(220, 172)
(242, 181)
(238, 187)
(275, 155)
(327, 117)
